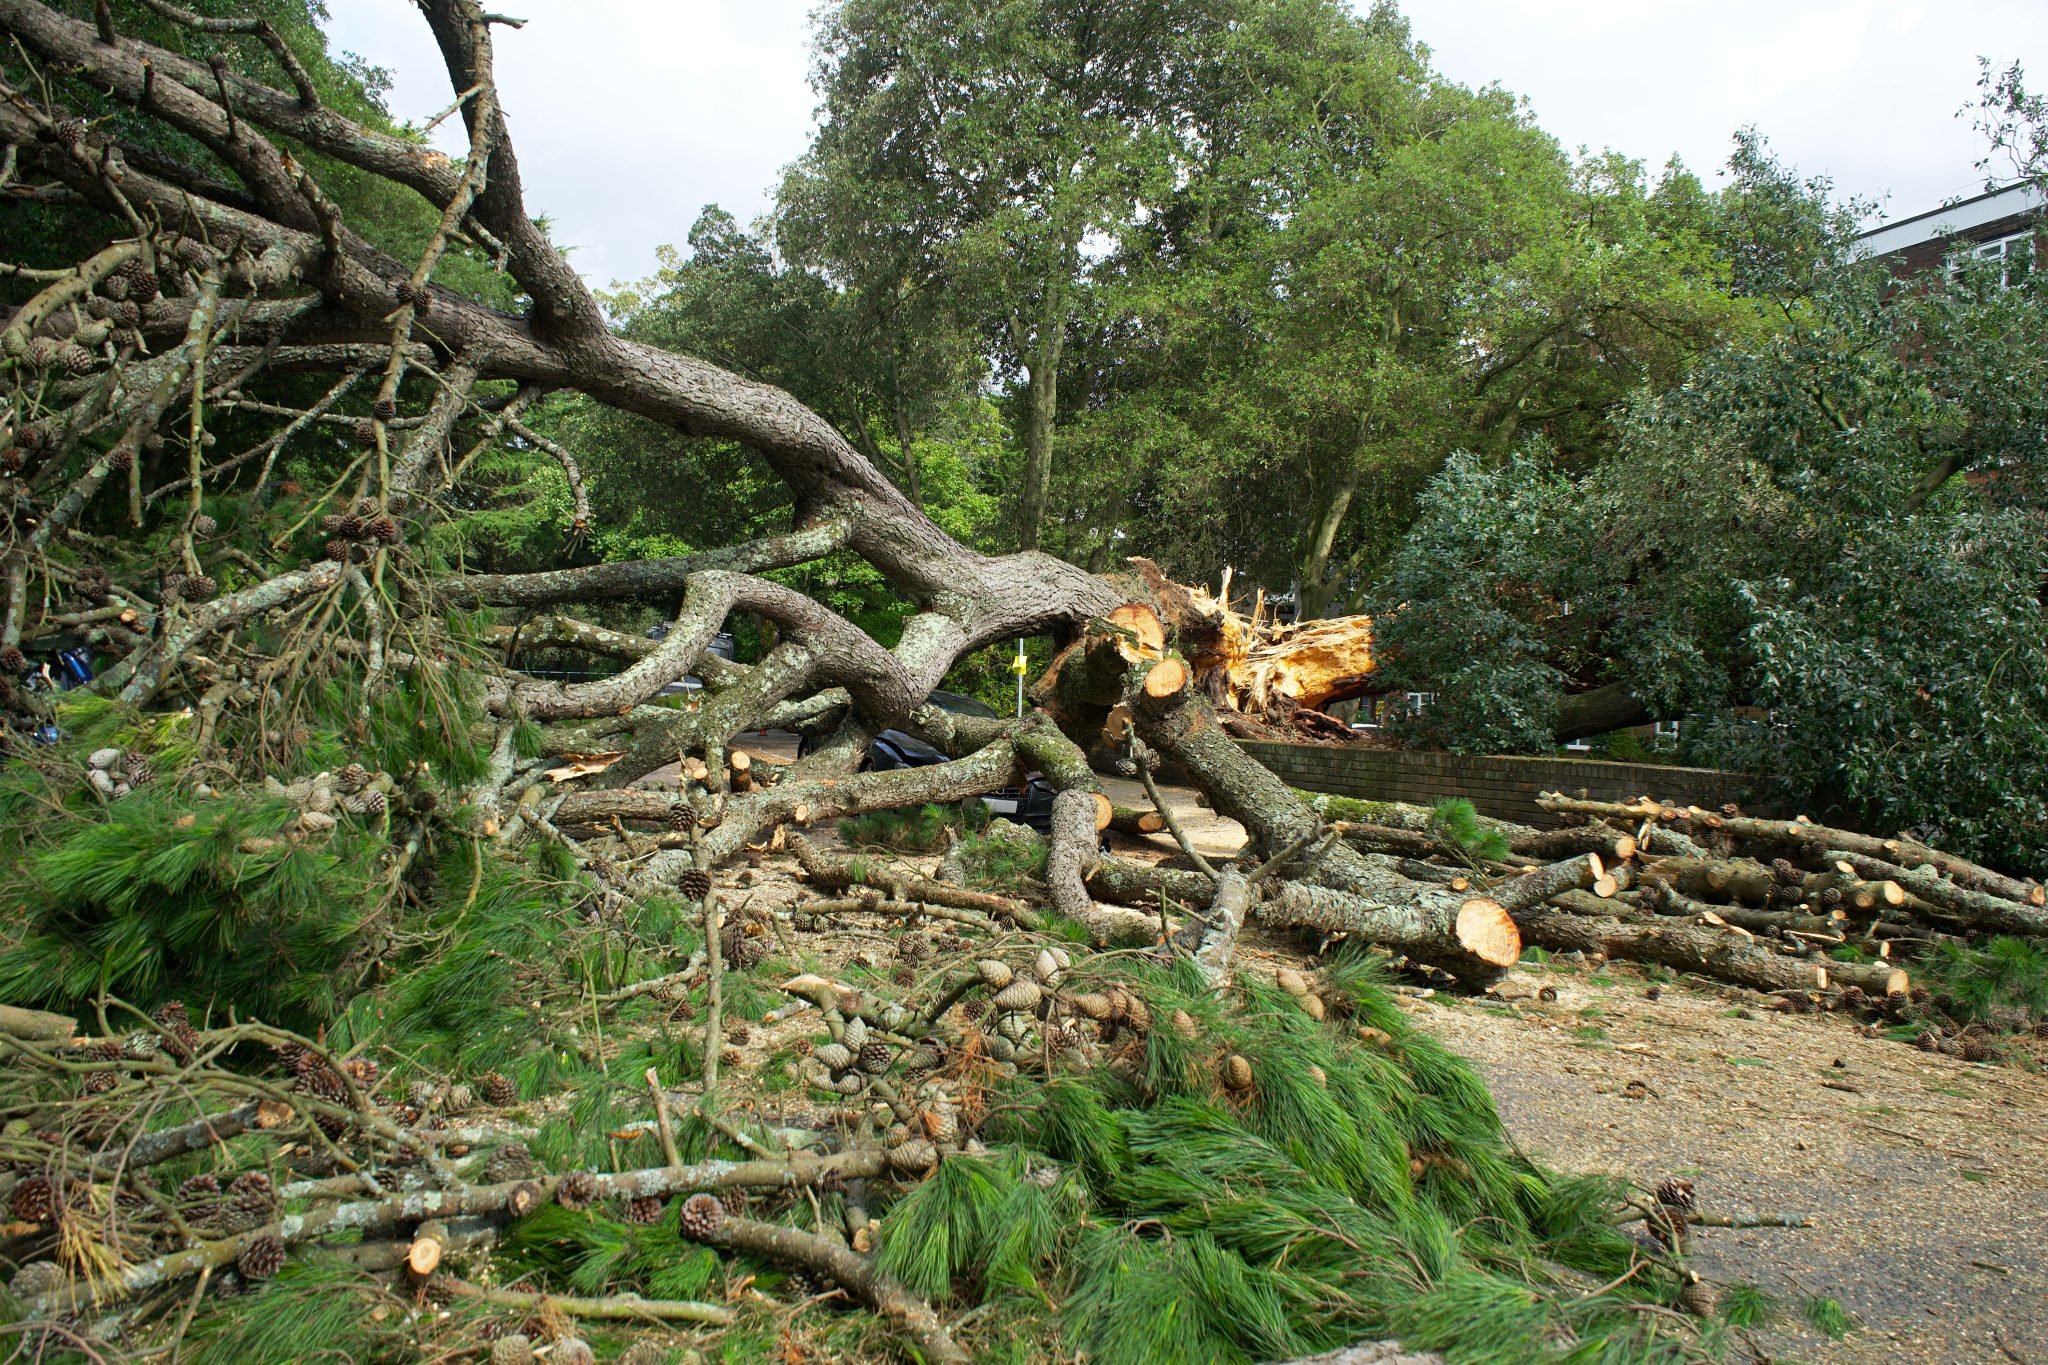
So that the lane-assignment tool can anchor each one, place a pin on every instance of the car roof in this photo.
(960, 705)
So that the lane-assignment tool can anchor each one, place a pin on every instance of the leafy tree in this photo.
(1781, 548)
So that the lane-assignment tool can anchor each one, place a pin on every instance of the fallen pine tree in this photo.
(310, 783)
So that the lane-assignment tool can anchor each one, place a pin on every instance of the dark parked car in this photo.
(1030, 804)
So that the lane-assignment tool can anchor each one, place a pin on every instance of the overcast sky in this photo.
(631, 115)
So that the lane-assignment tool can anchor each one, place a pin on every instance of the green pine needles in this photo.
(1353, 1191)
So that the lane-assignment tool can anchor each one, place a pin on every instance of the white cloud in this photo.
(630, 115)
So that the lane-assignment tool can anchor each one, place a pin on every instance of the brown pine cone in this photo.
(382, 529)
(76, 359)
(261, 1258)
(498, 1089)
(336, 549)
(645, 1210)
(803, 1047)
(974, 1009)
(736, 1031)
(198, 1187)
(121, 458)
(701, 1216)
(384, 409)
(874, 1057)
(34, 1199)
(201, 588)
(681, 818)
(513, 1161)
(366, 434)
(683, 1012)
(245, 1211)
(905, 976)
(695, 884)
(1676, 1193)
(253, 1182)
(576, 1191)
(734, 1201)
(204, 525)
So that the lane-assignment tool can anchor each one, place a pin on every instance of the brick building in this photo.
(2006, 225)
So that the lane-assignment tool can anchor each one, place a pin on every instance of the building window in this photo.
(2013, 256)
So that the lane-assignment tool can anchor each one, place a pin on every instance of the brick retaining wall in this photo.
(1497, 785)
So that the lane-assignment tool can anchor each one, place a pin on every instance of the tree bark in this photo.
(1697, 948)
(1583, 715)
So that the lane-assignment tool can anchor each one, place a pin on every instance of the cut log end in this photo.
(1167, 678)
(1624, 847)
(423, 1257)
(1104, 810)
(1486, 931)
(1140, 634)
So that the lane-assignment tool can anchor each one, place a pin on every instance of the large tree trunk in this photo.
(309, 294)
(1585, 714)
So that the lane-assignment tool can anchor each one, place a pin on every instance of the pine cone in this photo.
(683, 1012)
(354, 777)
(13, 459)
(370, 802)
(253, 1182)
(115, 286)
(701, 1216)
(384, 409)
(244, 1212)
(121, 458)
(36, 1279)
(1237, 1072)
(644, 1210)
(1851, 998)
(973, 1009)
(1782, 869)
(576, 1191)
(199, 1187)
(128, 313)
(874, 1057)
(366, 508)
(736, 1031)
(572, 1351)
(336, 549)
(366, 434)
(174, 585)
(141, 280)
(694, 884)
(681, 818)
(498, 1089)
(511, 1162)
(1974, 1049)
(905, 976)
(76, 359)
(734, 1201)
(516, 1349)
(34, 1199)
(201, 588)
(404, 292)
(383, 529)
(204, 525)
(803, 1047)
(1676, 1193)
(261, 1258)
